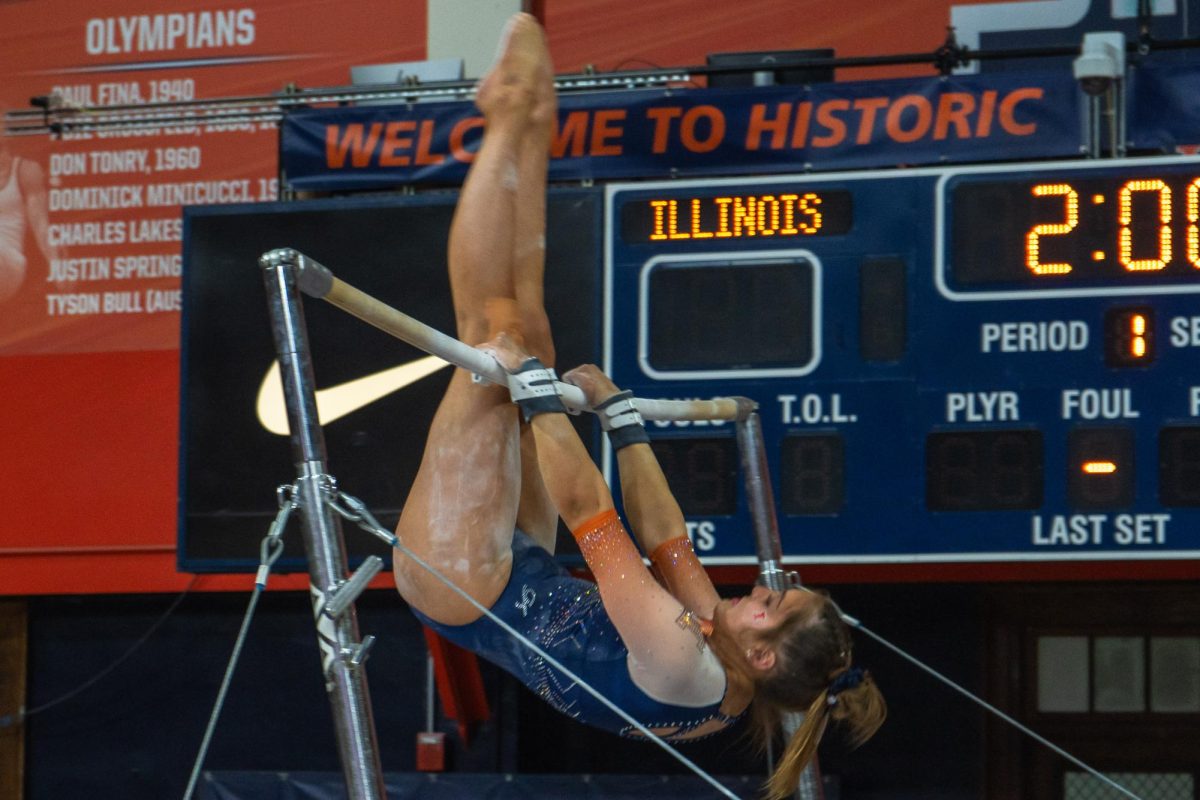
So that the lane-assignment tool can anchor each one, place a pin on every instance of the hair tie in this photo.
(846, 679)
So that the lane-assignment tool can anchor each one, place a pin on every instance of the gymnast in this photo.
(485, 504)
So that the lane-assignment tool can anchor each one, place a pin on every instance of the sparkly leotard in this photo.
(564, 616)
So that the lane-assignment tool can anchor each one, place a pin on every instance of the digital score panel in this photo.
(1060, 232)
(985, 364)
(752, 317)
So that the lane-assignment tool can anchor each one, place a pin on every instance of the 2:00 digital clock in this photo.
(1073, 230)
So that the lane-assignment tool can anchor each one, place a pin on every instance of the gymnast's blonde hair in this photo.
(812, 674)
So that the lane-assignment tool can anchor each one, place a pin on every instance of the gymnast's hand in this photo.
(597, 387)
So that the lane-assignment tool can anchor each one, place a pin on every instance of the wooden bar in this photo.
(316, 280)
(389, 320)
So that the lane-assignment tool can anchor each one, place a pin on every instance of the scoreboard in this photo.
(997, 363)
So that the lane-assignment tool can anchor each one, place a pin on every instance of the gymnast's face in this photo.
(748, 618)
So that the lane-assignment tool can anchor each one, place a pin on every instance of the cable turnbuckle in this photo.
(355, 510)
(286, 494)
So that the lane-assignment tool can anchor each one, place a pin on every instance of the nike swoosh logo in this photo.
(335, 402)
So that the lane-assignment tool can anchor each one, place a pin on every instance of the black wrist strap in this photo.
(630, 434)
(534, 388)
(622, 421)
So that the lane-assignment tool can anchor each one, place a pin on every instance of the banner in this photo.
(90, 248)
(90, 224)
(1164, 108)
(691, 132)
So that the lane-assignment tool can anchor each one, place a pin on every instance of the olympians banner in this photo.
(657, 133)
(90, 222)
(90, 255)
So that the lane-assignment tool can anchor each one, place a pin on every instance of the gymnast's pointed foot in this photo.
(544, 112)
(508, 351)
(511, 85)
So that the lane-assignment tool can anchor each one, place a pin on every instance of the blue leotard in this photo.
(564, 616)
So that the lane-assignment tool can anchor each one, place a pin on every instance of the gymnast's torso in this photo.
(565, 617)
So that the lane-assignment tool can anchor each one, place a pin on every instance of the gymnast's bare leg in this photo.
(536, 515)
(464, 503)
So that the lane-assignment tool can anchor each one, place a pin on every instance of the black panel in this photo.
(1179, 466)
(769, 68)
(731, 316)
(393, 250)
(1100, 468)
(1129, 339)
(882, 309)
(812, 476)
(701, 472)
(993, 470)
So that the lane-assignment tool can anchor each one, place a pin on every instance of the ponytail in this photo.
(852, 700)
(800, 750)
(860, 709)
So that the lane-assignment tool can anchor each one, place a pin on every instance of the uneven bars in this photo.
(318, 281)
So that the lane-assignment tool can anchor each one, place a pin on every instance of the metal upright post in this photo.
(762, 502)
(770, 556)
(342, 652)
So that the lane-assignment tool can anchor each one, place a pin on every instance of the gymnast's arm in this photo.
(653, 512)
(666, 654)
(658, 523)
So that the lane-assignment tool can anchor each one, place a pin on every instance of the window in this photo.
(1110, 672)
(1175, 674)
(1118, 674)
(1062, 673)
(1146, 785)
